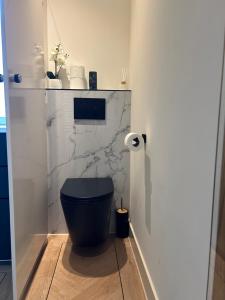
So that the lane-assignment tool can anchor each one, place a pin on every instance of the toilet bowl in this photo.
(86, 204)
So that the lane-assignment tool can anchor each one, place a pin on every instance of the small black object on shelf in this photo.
(122, 222)
(93, 80)
(50, 75)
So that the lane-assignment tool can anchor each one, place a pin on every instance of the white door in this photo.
(23, 48)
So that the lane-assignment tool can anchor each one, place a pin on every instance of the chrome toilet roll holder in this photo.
(136, 141)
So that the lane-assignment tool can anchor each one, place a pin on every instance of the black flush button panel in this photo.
(89, 109)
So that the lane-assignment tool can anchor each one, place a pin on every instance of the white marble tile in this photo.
(86, 148)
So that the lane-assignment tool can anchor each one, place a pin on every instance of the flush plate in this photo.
(89, 108)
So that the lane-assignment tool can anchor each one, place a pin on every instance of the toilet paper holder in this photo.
(144, 137)
(136, 140)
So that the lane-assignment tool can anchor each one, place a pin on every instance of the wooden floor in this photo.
(219, 279)
(5, 282)
(105, 273)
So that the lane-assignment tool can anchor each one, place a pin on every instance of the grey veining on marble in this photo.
(86, 148)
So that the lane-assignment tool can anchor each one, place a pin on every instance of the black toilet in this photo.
(86, 204)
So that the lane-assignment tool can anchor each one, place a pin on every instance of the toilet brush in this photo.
(122, 221)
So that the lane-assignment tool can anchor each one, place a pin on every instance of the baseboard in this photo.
(150, 290)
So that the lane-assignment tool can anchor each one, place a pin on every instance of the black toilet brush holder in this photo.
(122, 222)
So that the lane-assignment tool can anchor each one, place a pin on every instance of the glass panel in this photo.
(26, 137)
(2, 98)
(216, 282)
(5, 246)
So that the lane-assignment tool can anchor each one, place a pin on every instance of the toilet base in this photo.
(86, 204)
(88, 224)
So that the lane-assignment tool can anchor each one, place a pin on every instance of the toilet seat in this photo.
(86, 190)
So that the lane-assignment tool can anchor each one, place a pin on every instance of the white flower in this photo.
(59, 57)
(61, 61)
(53, 56)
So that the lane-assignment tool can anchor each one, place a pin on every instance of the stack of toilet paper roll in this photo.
(77, 77)
(134, 141)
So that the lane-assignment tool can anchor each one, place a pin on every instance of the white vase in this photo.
(63, 76)
(54, 84)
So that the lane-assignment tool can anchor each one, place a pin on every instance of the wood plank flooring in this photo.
(107, 272)
(219, 279)
(130, 278)
(46, 269)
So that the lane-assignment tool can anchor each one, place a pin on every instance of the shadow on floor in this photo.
(94, 261)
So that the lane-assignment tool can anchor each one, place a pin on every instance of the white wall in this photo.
(95, 33)
(176, 62)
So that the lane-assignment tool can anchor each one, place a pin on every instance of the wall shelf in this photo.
(87, 90)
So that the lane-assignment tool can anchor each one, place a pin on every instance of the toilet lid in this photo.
(76, 189)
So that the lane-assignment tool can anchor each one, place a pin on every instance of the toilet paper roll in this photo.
(77, 83)
(134, 141)
(77, 71)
